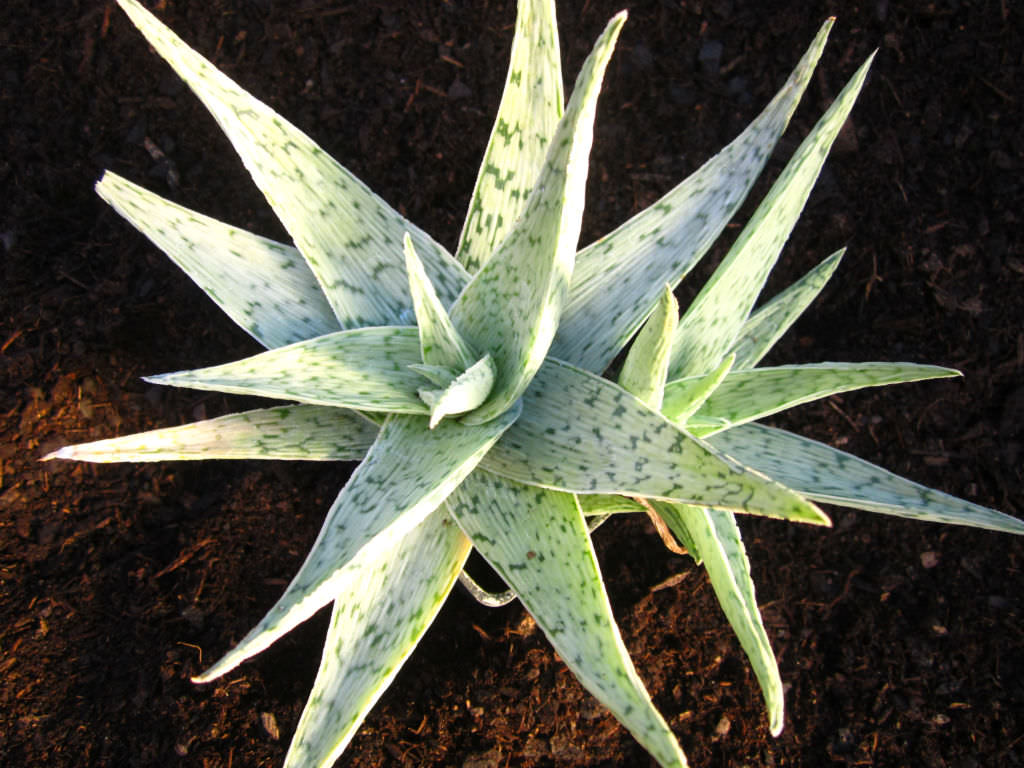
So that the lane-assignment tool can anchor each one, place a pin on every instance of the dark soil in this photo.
(902, 643)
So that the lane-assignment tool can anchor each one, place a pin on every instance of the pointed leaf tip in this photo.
(513, 306)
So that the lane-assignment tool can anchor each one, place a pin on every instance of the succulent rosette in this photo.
(473, 387)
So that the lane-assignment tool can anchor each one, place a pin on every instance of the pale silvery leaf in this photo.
(365, 368)
(646, 367)
(601, 506)
(297, 432)
(466, 391)
(716, 538)
(619, 278)
(537, 541)
(767, 324)
(405, 476)
(714, 319)
(441, 375)
(753, 394)
(440, 343)
(583, 434)
(710, 535)
(829, 475)
(264, 286)
(349, 236)
(387, 597)
(531, 106)
(512, 306)
(684, 397)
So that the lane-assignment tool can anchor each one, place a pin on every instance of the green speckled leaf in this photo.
(531, 106)
(646, 367)
(386, 599)
(440, 343)
(710, 535)
(366, 369)
(714, 320)
(467, 391)
(440, 375)
(716, 537)
(583, 434)
(600, 506)
(753, 394)
(264, 286)
(767, 324)
(684, 397)
(537, 541)
(350, 237)
(619, 278)
(829, 475)
(300, 432)
(406, 475)
(512, 306)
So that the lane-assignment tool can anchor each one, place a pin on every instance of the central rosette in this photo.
(463, 380)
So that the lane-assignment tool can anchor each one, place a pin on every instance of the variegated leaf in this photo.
(753, 394)
(684, 397)
(618, 279)
(386, 599)
(440, 375)
(716, 537)
(264, 286)
(583, 434)
(300, 432)
(646, 367)
(537, 541)
(466, 391)
(829, 475)
(714, 320)
(405, 476)
(366, 369)
(440, 343)
(512, 306)
(767, 324)
(711, 536)
(531, 106)
(349, 236)
(599, 506)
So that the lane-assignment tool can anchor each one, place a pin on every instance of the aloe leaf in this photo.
(441, 375)
(349, 236)
(829, 475)
(583, 434)
(594, 505)
(531, 106)
(483, 596)
(711, 536)
(387, 597)
(512, 306)
(767, 324)
(685, 397)
(663, 242)
(645, 369)
(714, 319)
(440, 343)
(405, 476)
(466, 392)
(716, 537)
(537, 541)
(300, 432)
(753, 394)
(264, 286)
(365, 369)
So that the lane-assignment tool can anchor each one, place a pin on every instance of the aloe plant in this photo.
(470, 387)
